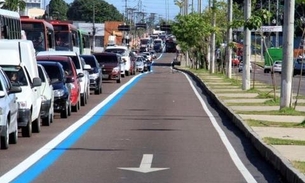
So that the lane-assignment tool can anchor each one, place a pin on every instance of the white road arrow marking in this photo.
(145, 166)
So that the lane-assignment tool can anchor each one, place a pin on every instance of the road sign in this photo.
(145, 166)
(165, 27)
(141, 25)
(124, 28)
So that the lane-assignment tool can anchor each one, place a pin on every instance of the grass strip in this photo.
(261, 123)
(277, 141)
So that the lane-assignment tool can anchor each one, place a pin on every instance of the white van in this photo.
(18, 60)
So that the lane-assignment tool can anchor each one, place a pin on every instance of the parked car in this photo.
(96, 75)
(241, 66)
(299, 66)
(61, 87)
(81, 67)
(9, 111)
(71, 73)
(276, 67)
(47, 97)
(140, 64)
(111, 65)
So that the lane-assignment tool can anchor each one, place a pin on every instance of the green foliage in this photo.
(190, 30)
(14, 5)
(83, 10)
(58, 9)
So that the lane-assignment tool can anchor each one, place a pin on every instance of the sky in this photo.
(163, 8)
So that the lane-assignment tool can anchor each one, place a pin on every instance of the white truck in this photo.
(18, 60)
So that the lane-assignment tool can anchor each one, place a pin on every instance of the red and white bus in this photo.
(66, 36)
(40, 32)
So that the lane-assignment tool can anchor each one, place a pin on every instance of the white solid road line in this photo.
(238, 163)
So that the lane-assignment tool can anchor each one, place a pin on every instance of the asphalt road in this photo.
(298, 84)
(154, 127)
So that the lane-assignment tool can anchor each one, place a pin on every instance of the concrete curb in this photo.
(279, 162)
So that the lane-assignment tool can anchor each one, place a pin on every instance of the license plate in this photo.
(105, 75)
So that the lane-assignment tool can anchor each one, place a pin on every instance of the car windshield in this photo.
(90, 61)
(36, 36)
(106, 58)
(118, 51)
(53, 72)
(16, 75)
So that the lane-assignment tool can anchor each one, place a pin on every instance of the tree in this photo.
(14, 5)
(83, 10)
(58, 9)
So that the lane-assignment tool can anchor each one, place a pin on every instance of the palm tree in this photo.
(14, 5)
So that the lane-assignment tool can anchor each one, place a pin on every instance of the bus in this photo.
(40, 32)
(84, 42)
(10, 25)
(66, 36)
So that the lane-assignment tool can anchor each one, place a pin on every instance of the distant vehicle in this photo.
(241, 67)
(271, 55)
(111, 65)
(140, 64)
(299, 66)
(143, 48)
(40, 32)
(235, 61)
(47, 97)
(170, 45)
(84, 42)
(96, 75)
(66, 36)
(277, 67)
(158, 47)
(125, 55)
(9, 111)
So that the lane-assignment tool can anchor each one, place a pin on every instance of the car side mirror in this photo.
(80, 75)
(36, 82)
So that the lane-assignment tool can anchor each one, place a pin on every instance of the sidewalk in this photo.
(244, 107)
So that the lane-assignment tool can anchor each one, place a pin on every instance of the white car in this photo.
(241, 66)
(8, 111)
(81, 67)
(140, 64)
(276, 67)
(47, 97)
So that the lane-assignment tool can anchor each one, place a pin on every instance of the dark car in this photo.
(61, 87)
(299, 66)
(95, 75)
(71, 74)
(157, 47)
(111, 65)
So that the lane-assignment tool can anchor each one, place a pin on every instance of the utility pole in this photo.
(213, 35)
(286, 76)
(277, 23)
(93, 28)
(246, 50)
(229, 40)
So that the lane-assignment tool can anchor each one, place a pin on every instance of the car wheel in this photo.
(46, 121)
(118, 80)
(13, 137)
(97, 91)
(127, 73)
(78, 104)
(64, 113)
(36, 125)
(5, 138)
(69, 109)
(27, 130)
(82, 100)
(75, 108)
